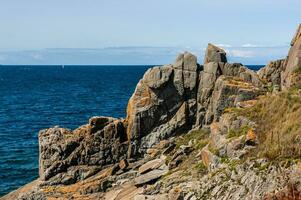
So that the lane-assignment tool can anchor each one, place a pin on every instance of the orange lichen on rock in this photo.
(141, 98)
(251, 136)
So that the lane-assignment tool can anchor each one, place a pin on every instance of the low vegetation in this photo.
(239, 132)
(199, 139)
(279, 124)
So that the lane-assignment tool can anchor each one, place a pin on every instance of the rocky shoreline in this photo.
(180, 138)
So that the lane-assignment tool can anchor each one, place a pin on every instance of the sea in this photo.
(33, 98)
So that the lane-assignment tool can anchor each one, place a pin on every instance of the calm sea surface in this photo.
(37, 97)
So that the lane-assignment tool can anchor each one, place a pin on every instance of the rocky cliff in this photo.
(190, 132)
(286, 72)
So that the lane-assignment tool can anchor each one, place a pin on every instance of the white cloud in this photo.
(241, 53)
(136, 55)
(224, 45)
(248, 45)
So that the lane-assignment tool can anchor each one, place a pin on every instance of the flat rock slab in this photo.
(150, 176)
(127, 192)
(153, 164)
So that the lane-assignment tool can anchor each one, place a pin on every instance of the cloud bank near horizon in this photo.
(246, 54)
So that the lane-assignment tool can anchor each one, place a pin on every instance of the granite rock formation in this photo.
(163, 103)
(271, 74)
(69, 156)
(178, 140)
(291, 76)
(214, 54)
(285, 73)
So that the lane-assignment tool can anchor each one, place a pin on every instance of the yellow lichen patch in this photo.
(214, 125)
(82, 130)
(251, 135)
(141, 98)
(75, 189)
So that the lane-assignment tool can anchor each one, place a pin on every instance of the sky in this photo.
(144, 31)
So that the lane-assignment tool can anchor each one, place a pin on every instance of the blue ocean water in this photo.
(38, 97)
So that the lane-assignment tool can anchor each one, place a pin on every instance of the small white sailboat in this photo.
(63, 66)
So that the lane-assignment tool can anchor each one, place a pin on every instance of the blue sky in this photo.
(143, 31)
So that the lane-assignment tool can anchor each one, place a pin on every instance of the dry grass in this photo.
(279, 124)
(238, 82)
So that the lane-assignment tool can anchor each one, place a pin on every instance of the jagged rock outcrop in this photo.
(69, 156)
(291, 75)
(271, 73)
(163, 103)
(218, 82)
(285, 73)
(214, 54)
(172, 98)
(110, 158)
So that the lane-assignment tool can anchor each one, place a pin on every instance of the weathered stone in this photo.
(98, 123)
(99, 143)
(163, 103)
(175, 194)
(157, 77)
(228, 92)
(210, 160)
(246, 104)
(291, 76)
(251, 137)
(176, 161)
(150, 176)
(167, 101)
(128, 192)
(271, 73)
(123, 164)
(214, 54)
(153, 164)
(169, 149)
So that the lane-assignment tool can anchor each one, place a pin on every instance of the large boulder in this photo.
(271, 73)
(163, 103)
(228, 92)
(214, 54)
(101, 142)
(223, 85)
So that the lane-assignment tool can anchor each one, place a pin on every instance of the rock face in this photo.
(111, 158)
(214, 54)
(173, 98)
(68, 156)
(218, 82)
(271, 73)
(163, 103)
(285, 73)
(291, 75)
